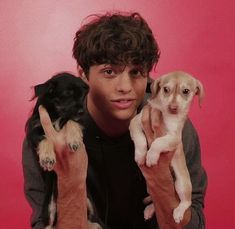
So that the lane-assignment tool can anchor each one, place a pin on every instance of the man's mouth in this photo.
(123, 103)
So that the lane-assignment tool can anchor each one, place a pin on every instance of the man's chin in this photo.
(125, 115)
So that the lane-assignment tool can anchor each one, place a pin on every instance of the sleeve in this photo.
(197, 174)
(34, 186)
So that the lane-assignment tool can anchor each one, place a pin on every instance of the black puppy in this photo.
(63, 97)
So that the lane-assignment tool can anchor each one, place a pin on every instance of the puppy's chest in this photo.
(173, 124)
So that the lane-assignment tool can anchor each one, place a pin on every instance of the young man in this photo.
(114, 53)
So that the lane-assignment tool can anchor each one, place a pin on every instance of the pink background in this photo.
(36, 39)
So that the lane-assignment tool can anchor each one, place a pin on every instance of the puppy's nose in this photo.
(173, 109)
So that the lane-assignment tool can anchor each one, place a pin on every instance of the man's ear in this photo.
(82, 74)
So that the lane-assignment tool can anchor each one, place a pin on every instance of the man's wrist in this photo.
(160, 184)
(72, 204)
(68, 188)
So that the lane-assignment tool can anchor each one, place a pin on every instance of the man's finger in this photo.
(45, 120)
(146, 123)
(156, 121)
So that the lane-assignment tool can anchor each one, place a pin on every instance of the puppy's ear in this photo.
(155, 87)
(200, 92)
(40, 89)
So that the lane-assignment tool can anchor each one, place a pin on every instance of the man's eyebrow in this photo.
(105, 65)
(140, 68)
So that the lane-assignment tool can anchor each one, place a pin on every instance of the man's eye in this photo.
(136, 73)
(186, 91)
(109, 72)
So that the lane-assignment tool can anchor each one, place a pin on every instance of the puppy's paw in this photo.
(178, 213)
(74, 145)
(93, 225)
(47, 158)
(149, 211)
(73, 135)
(49, 227)
(140, 158)
(152, 158)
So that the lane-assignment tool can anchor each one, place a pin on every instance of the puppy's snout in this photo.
(173, 108)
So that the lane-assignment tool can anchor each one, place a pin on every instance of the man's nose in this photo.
(124, 83)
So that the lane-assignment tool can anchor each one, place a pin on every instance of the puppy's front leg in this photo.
(47, 158)
(183, 184)
(93, 225)
(149, 211)
(139, 139)
(162, 144)
(73, 135)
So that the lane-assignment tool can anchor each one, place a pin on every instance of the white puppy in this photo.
(172, 95)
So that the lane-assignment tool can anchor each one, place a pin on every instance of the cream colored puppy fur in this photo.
(172, 95)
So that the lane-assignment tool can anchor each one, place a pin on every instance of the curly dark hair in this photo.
(116, 38)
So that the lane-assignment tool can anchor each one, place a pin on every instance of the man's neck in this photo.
(110, 126)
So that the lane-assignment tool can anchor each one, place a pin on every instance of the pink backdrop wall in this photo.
(196, 36)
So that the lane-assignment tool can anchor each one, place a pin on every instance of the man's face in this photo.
(115, 92)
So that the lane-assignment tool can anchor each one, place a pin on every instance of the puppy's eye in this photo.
(166, 89)
(67, 93)
(186, 91)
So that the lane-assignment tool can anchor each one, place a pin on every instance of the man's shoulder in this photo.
(189, 129)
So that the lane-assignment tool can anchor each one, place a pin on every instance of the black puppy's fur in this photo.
(63, 97)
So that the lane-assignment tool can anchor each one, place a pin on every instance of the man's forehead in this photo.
(125, 66)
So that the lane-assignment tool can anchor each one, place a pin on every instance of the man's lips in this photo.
(123, 103)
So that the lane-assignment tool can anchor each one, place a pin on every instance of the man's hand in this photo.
(152, 123)
(71, 170)
(159, 179)
(69, 163)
